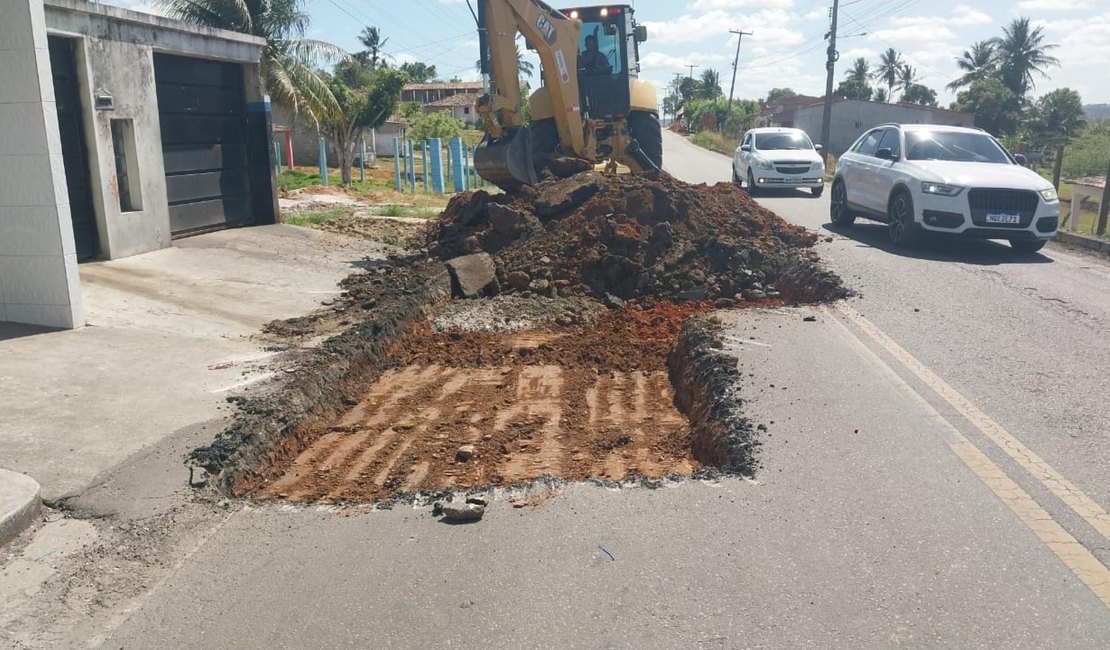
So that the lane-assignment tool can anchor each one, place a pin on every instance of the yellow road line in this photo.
(1065, 490)
(1069, 550)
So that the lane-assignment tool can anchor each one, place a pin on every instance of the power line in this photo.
(735, 65)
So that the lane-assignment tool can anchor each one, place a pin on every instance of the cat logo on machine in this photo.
(548, 30)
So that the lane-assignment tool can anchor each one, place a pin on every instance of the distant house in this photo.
(427, 93)
(781, 112)
(851, 117)
(461, 107)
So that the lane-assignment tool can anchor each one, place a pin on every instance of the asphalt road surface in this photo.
(934, 475)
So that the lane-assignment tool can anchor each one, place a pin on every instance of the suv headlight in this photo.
(763, 163)
(941, 189)
(1050, 195)
(817, 166)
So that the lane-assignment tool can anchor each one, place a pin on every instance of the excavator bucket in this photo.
(507, 161)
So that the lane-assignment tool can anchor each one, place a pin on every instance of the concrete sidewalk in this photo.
(168, 339)
(19, 503)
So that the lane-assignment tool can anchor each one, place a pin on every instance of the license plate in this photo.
(1003, 217)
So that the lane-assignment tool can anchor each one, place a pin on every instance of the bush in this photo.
(1089, 153)
(715, 142)
(436, 125)
(715, 114)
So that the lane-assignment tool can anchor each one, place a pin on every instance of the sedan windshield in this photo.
(772, 141)
(955, 146)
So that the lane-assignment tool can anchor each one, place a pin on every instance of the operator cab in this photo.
(609, 33)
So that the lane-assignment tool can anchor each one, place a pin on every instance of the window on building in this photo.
(127, 168)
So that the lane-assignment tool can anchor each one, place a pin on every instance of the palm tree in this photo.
(860, 71)
(890, 62)
(1020, 52)
(289, 61)
(709, 86)
(907, 76)
(371, 39)
(524, 66)
(977, 63)
(880, 95)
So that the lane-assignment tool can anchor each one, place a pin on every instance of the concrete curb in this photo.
(19, 504)
(1094, 244)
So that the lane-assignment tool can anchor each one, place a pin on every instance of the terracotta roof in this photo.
(462, 85)
(462, 99)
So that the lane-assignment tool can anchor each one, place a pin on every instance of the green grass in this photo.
(714, 142)
(315, 218)
(395, 210)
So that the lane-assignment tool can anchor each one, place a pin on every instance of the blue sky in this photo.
(786, 48)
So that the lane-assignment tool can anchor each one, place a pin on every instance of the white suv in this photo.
(773, 157)
(943, 179)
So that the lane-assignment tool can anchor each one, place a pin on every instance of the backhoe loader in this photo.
(591, 105)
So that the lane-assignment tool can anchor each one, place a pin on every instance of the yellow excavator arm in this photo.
(605, 114)
(555, 38)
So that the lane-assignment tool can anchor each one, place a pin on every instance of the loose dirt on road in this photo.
(565, 367)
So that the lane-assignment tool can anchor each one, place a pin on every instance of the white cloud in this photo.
(143, 6)
(914, 34)
(814, 14)
(735, 4)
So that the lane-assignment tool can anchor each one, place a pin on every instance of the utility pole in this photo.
(1104, 207)
(830, 64)
(692, 66)
(735, 64)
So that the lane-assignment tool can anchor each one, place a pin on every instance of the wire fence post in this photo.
(456, 164)
(397, 165)
(424, 167)
(412, 166)
(436, 146)
(362, 162)
(323, 155)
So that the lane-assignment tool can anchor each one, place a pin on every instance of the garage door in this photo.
(204, 142)
(75, 156)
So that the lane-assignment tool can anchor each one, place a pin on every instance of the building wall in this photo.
(115, 57)
(126, 72)
(38, 261)
(306, 142)
(850, 118)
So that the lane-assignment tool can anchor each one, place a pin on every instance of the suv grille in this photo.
(984, 200)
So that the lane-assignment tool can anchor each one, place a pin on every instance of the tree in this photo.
(1021, 53)
(524, 66)
(907, 77)
(411, 111)
(860, 71)
(419, 73)
(996, 108)
(853, 88)
(920, 94)
(359, 109)
(709, 85)
(855, 84)
(436, 125)
(779, 94)
(289, 62)
(687, 90)
(890, 65)
(880, 95)
(1057, 118)
(371, 39)
(976, 63)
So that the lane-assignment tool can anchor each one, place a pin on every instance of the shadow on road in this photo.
(10, 331)
(939, 248)
(792, 193)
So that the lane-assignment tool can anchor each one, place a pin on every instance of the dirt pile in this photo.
(642, 238)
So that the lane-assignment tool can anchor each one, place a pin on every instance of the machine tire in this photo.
(645, 129)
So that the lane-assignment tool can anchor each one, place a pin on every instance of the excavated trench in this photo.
(383, 410)
(394, 407)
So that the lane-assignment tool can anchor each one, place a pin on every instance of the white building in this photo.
(121, 131)
(851, 117)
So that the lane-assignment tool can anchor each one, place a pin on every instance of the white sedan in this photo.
(775, 157)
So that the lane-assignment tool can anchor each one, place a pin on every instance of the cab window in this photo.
(609, 37)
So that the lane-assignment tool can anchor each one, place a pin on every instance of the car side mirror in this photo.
(1021, 159)
(817, 147)
(884, 154)
(745, 147)
(641, 33)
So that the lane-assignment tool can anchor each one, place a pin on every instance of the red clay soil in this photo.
(648, 237)
(575, 403)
